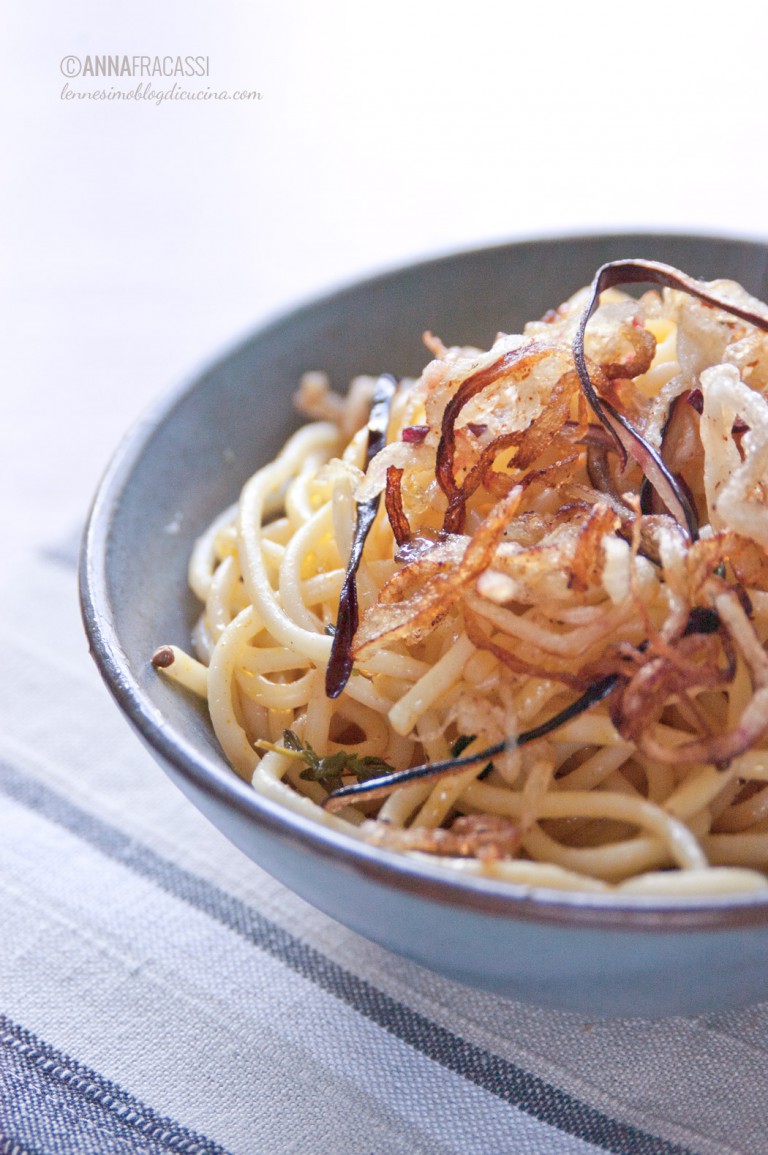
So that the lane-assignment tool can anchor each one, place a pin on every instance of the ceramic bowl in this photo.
(187, 460)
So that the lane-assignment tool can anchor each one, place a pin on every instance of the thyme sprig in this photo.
(330, 769)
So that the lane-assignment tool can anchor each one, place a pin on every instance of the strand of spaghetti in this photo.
(259, 588)
(713, 880)
(399, 751)
(370, 579)
(255, 719)
(758, 828)
(445, 794)
(401, 804)
(430, 730)
(743, 815)
(528, 874)
(359, 689)
(218, 604)
(315, 726)
(698, 790)
(660, 778)
(275, 695)
(739, 693)
(395, 665)
(480, 667)
(591, 832)
(344, 512)
(299, 501)
(304, 542)
(699, 824)
(292, 777)
(269, 660)
(618, 782)
(531, 699)
(221, 690)
(202, 642)
(226, 538)
(363, 708)
(681, 845)
(322, 587)
(721, 803)
(440, 678)
(272, 551)
(737, 849)
(204, 556)
(355, 450)
(275, 535)
(595, 769)
(753, 764)
(537, 782)
(611, 863)
(592, 729)
(181, 667)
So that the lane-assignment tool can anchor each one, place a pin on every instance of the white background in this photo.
(138, 241)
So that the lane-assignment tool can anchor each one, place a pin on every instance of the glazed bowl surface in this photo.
(187, 460)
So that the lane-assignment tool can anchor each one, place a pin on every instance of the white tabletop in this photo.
(139, 238)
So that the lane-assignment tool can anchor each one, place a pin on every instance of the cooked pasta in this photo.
(512, 614)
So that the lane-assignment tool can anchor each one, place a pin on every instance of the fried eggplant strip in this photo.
(347, 621)
(628, 440)
(378, 787)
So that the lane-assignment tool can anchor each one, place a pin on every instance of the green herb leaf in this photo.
(330, 769)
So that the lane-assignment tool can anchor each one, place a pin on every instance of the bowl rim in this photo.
(415, 876)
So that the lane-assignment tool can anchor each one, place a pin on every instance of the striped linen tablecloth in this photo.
(160, 993)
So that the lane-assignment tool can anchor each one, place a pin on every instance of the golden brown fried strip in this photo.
(412, 619)
(487, 837)
(393, 501)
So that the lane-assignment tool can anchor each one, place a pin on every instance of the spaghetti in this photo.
(523, 631)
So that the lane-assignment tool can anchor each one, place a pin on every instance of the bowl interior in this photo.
(188, 460)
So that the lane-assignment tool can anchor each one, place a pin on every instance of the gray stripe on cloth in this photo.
(11, 1146)
(187, 1016)
(40, 1086)
(497, 1075)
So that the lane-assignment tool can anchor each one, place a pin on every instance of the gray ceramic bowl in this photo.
(187, 460)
